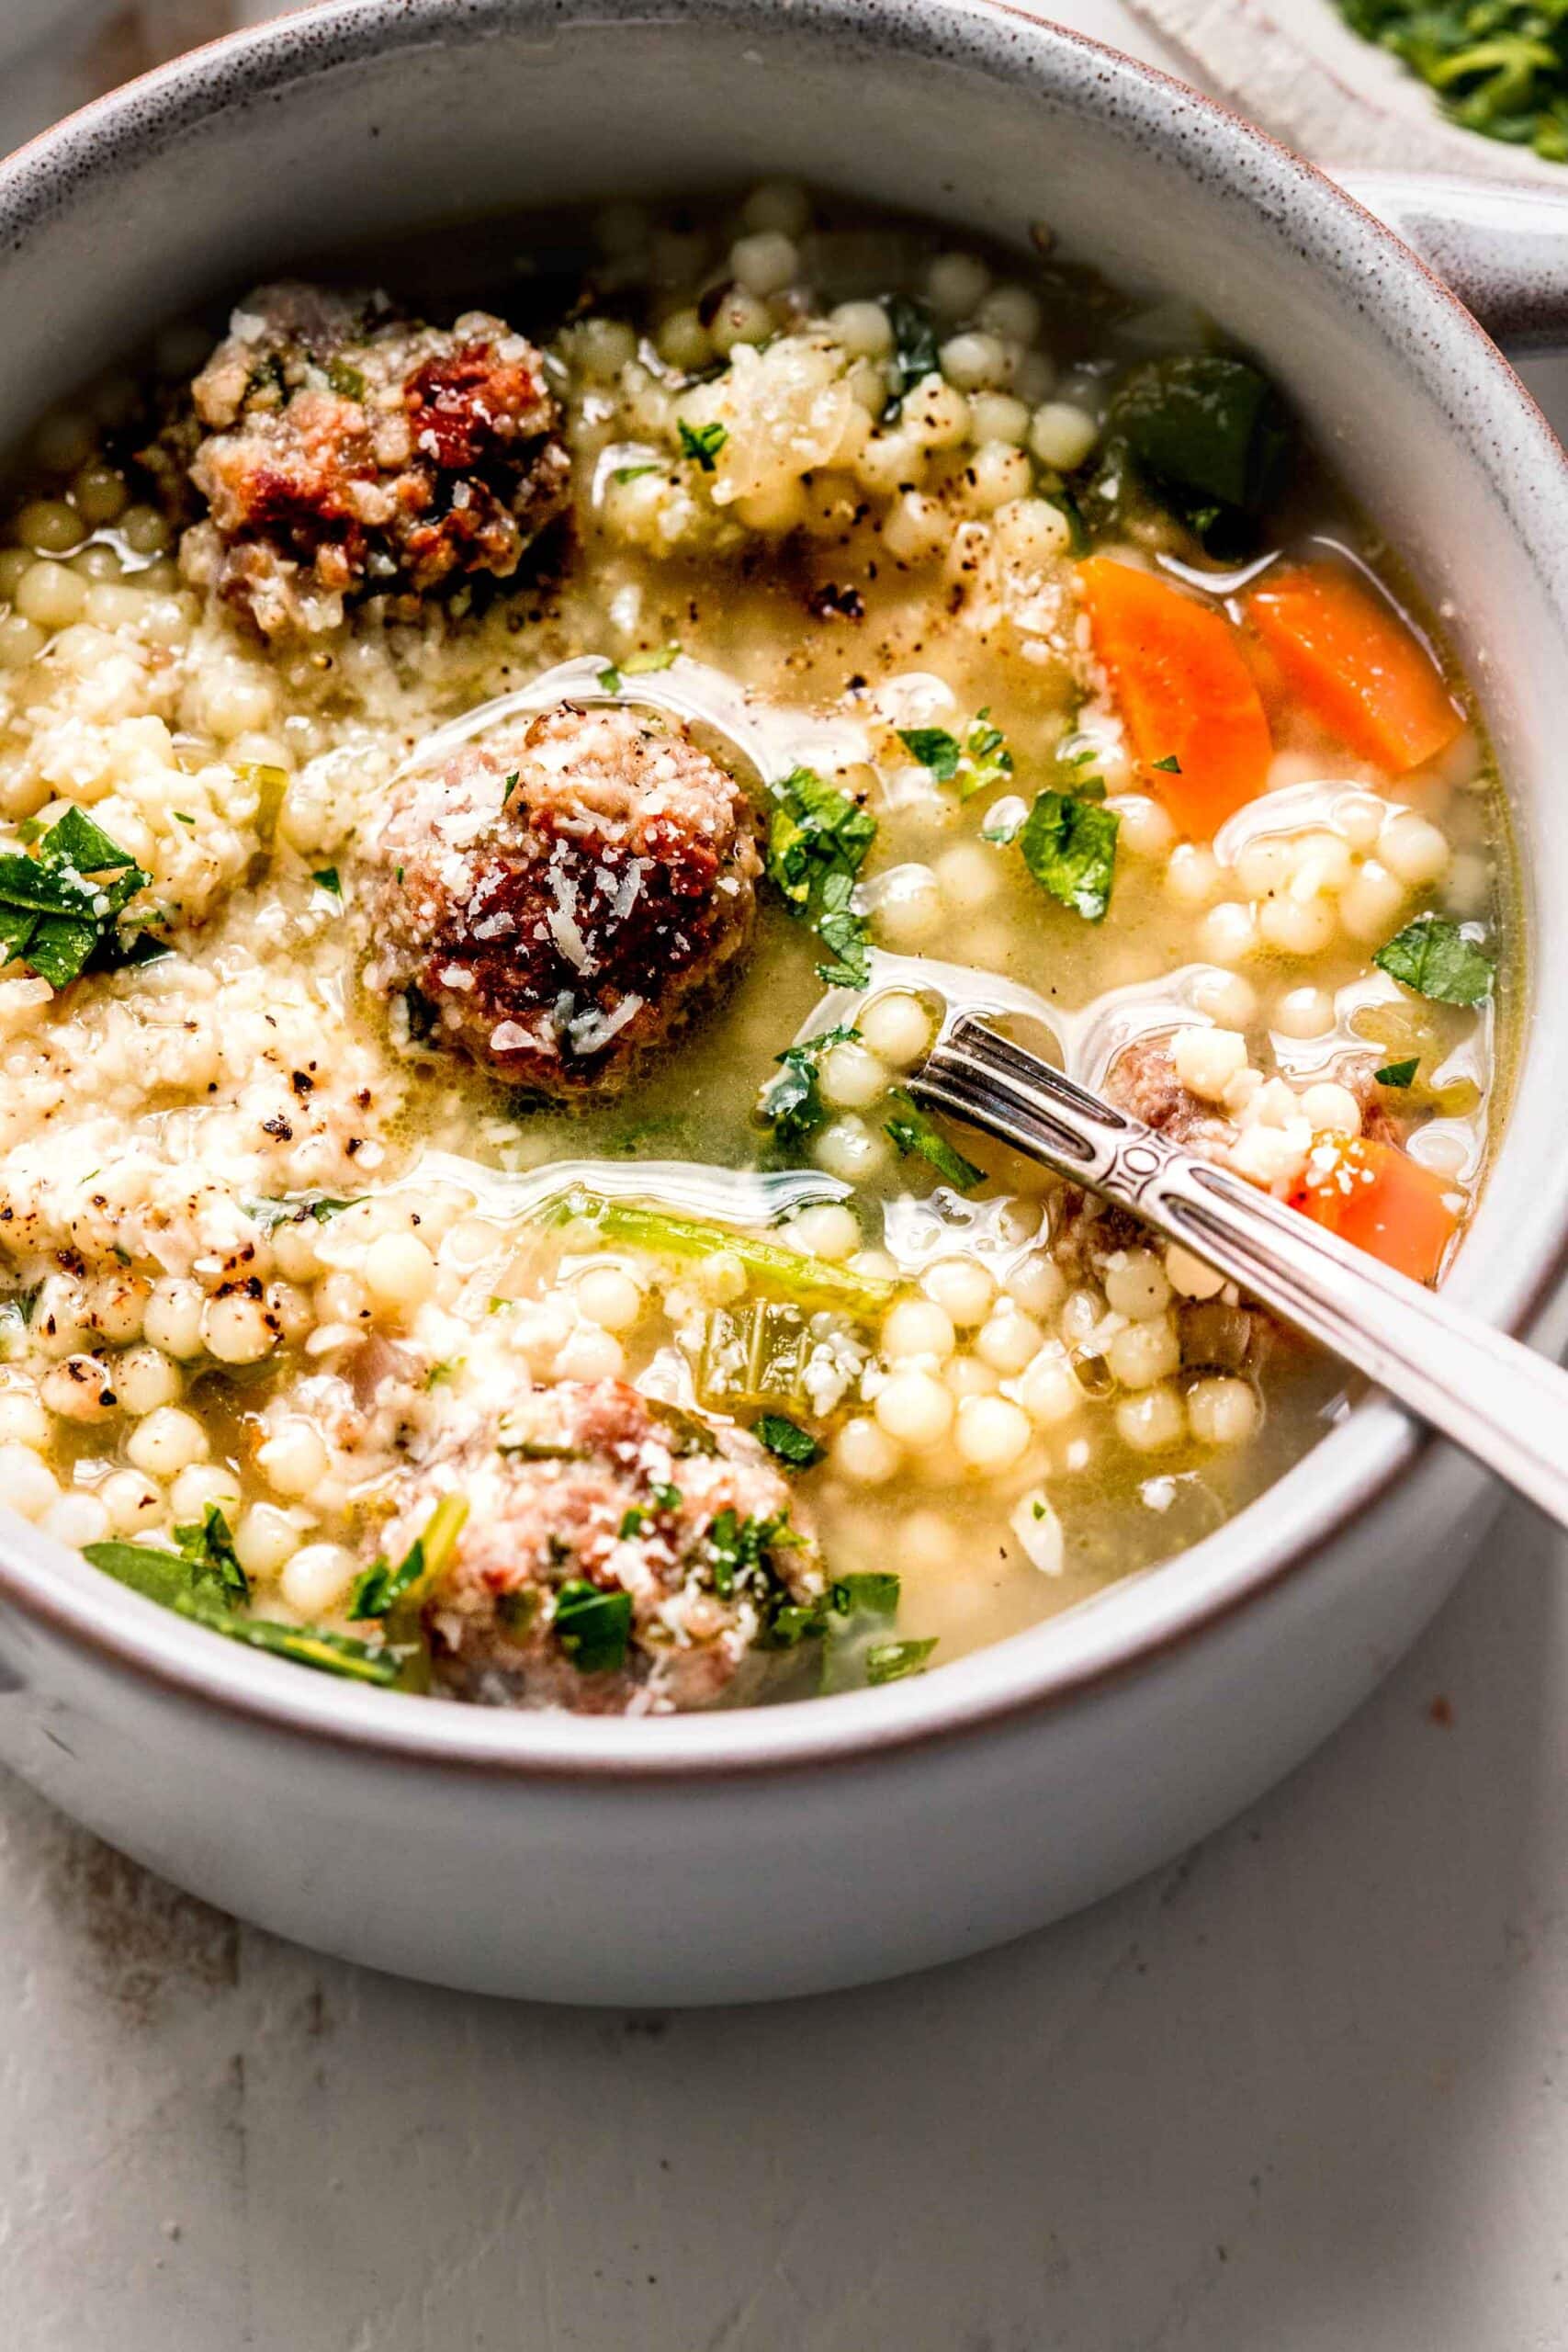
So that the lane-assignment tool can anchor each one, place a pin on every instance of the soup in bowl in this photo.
(509, 747)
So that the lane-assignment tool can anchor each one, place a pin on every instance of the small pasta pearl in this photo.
(917, 1327)
(1190, 1275)
(865, 1453)
(1047, 1389)
(913, 1407)
(828, 1229)
(1036, 1283)
(967, 1376)
(131, 1500)
(1140, 1353)
(608, 1297)
(80, 1389)
(77, 1518)
(969, 874)
(974, 361)
(848, 1149)
(166, 1442)
(589, 1353)
(1012, 312)
(962, 1287)
(294, 1459)
(864, 329)
(765, 263)
(145, 1378)
(910, 909)
(264, 1540)
(1151, 1420)
(23, 1420)
(957, 284)
(1145, 828)
(1302, 1013)
(1332, 1109)
(316, 1579)
(851, 1078)
(27, 1486)
(202, 1484)
(1192, 877)
(1135, 1284)
(1062, 435)
(399, 1271)
(993, 1432)
(782, 206)
(897, 1028)
(1414, 851)
(1370, 902)
(999, 416)
(1206, 1060)
(235, 1329)
(1296, 926)
(1032, 531)
(173, 1319)
(1008, 1339)
(1228, 932)
(1222, 1412)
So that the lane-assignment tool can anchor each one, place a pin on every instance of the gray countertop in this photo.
(1305, 2091)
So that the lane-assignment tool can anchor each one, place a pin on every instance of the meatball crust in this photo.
(589, 1487)
(342, 448)
(558, 905)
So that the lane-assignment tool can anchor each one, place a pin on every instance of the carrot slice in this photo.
(1355, 665)
(1385, 1202)
(1194, 714)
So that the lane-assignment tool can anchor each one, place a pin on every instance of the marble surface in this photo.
(1306, 2090)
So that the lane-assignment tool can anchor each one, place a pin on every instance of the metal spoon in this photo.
(1495, 1398)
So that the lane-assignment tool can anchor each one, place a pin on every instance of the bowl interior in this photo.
(355, 122)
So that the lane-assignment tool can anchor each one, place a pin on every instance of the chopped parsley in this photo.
(1398, 1073)
(1499, 67)
(326, 878)
(914, 349)
(60, 910)
(792, 1104)
(974, 764)
(632, 1523)
(891, 1661)
(1432, 958)
(817, 844)
(347, 381)
(788, 1441)
(322, 1206)
(204, 1559)
(635, 473)
(1069, 846)
(1169, 765)
(701, 443)
(593, 1627)
(912, 1131)
(381, 1589)
(203, 1577)
(668, 1497)
(1209, 437)
(636, 665)
(381, 1663)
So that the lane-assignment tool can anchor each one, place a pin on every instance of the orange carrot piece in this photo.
(1385, 1202)
(1355, 665)
(1192, 710)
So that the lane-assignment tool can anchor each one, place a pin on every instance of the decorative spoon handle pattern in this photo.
(1499, 1400)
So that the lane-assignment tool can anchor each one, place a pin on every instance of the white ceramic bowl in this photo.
(789, 1849)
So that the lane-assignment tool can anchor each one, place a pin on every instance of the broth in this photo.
(281, 1262)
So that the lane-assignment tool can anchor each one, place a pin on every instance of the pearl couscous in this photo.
(462, 1222)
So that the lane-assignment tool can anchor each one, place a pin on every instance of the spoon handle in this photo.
(1498, 1400)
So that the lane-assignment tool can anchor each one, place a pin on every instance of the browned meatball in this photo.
(618, 1554)
(556, 905)
(348, 450)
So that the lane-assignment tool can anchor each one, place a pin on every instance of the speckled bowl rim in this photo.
(55, 1595)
